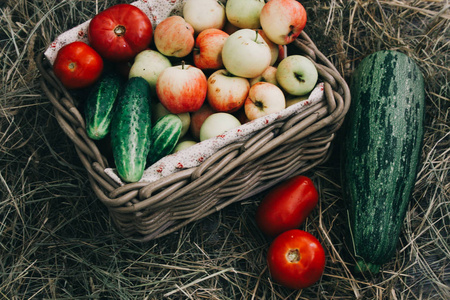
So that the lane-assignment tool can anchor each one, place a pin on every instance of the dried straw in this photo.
(57, 240)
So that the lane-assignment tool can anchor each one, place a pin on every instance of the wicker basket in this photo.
(145, 211)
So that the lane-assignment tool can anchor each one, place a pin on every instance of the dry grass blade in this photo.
(57, 240)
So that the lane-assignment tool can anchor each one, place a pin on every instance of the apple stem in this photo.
(291, 30)
(299, 77)
(182, 64)
(259, 105)
(256, 38)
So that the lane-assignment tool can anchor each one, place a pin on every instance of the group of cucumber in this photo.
(123, 109)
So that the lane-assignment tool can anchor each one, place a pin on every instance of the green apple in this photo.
(294, 100)
(297, 75)
(148, 64)
(244, 13)
(183, 145)
(217, 124)
(246, 53)
(204, 14)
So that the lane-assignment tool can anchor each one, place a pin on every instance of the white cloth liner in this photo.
(193, 156)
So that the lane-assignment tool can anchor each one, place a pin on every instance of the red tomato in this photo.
(296, 259)
(77, 65)
(120, 32)
(287, 205)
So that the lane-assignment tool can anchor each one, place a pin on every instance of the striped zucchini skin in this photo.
(131, 128)
(99, 105)
(165, 135)
(381, 152)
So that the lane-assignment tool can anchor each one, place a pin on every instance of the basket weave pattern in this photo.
(145, 211)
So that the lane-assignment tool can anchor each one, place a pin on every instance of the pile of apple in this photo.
(219, 65)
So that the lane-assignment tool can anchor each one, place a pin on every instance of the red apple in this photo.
(226, 92)
(208, 49)
(174, 37)
(197, 119)
(264, 98)
(283, 20)
(181, 88)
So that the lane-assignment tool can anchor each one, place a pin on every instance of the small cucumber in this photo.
(99, 105)
(164, 136)
(131, 128)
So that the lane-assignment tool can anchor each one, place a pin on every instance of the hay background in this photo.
(56, 238)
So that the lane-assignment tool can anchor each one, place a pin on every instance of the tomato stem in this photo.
(120, 30)
(72, 66)
(293, 256)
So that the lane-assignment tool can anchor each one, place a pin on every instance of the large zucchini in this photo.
(131, 128)
(381, 152)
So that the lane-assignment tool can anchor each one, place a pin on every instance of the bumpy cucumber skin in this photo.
(130, 130)
(165, 135)
(381, 153)
(99, 106)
